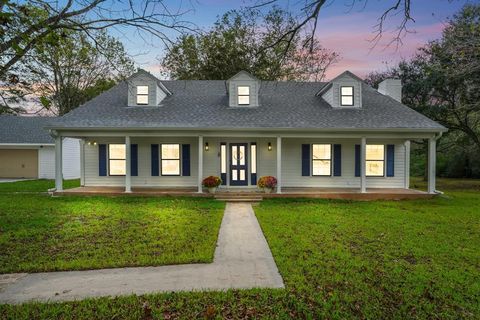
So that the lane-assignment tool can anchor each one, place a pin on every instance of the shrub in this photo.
(211, 182)
(267, 182)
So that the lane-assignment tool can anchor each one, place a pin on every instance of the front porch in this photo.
(247, 193)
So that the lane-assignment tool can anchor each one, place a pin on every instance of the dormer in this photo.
(145, 90)
(242, 90)
(344, 91)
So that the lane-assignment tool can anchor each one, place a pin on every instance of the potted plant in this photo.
(267, 183)
(212, 182)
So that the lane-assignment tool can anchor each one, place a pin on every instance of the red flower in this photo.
(267, 182)
(211, 182)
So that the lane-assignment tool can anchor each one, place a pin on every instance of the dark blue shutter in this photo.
(102, 160)
(155, 163)
(305, 160)
(337, 160)
(185, 160)
(223, 176)
(253, 176)
(357, 160)
(390, 160)
(134, 160)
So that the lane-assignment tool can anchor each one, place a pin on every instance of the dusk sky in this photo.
(341, 28)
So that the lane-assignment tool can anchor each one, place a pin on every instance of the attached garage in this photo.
(18, 163)
(28, 151)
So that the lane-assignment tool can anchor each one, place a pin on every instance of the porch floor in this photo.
(326, 193)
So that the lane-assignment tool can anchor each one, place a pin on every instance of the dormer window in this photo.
(243, 94)
(346, 96)
(142, 94)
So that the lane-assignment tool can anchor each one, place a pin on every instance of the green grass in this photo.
(41, 233)
(339, 260)
(41, 185)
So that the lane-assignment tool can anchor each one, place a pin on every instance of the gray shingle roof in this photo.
(283, 105)
(16, 129)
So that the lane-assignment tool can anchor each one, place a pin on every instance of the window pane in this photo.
(374, 168)
(347, 91)
(321, 167)
(116, 151)
(375, 152)
(243, 90)
(243, 99)
(170, 167)
(321, 151)
(234, 175)
(253, 151)
(347, 101)
(117, 167)
(142, 99)
(142, 89)
(170, 151)
(242, 175)
(223, 158)
(241, 155)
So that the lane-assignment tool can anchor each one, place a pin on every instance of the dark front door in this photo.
(238, 164)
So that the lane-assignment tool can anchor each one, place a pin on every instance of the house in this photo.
(28, 151)
(145, 132)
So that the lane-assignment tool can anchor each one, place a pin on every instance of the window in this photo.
(142, 94)
(375, 160)
(253, 152)
(116, 159)
(170, 159)
(346, 96)
(322, 159)
(243, 93)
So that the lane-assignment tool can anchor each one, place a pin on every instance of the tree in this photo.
(74, 70)
(443, 81)
(235, 43)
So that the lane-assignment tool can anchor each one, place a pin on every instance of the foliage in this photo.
(443, 82)
(41, 233)
(211, 182)
(339, 260)
(267, 182)
(244, 40)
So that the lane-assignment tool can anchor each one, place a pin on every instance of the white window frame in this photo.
(171, 159)
(117, 159)
(375, 160)
(142, 94)
(347, 95)
(243, 95)
(326, 159)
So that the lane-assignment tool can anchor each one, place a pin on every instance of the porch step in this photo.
(238, 197)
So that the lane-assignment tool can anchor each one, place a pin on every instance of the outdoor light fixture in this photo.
(206, 146)
(269, 146)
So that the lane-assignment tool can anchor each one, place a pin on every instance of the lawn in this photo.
(41, 233)
(41, 185)
(339, 260)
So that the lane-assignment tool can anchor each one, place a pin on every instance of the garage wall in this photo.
(46, 162)
(18, 163)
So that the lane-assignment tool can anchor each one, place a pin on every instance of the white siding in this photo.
(144, 178)
(46, 162)
(266, 163)
(292, 165)
(332, 95)
(71, 160)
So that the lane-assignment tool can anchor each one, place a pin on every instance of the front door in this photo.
(238, 164)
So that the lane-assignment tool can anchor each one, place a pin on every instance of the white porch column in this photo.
(279, 164)
(82, 162)
(363, 165)
(407, 164)
(128, 160)
(432, 159)
(200, 163)
(58, 163)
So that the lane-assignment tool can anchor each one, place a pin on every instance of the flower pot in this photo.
(212, 190)
(267, 190)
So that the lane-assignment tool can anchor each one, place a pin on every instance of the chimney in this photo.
(392, 88)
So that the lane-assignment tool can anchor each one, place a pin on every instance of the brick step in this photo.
(239, 199)
(238, 195)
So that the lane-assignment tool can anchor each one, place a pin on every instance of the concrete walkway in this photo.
(242, 260)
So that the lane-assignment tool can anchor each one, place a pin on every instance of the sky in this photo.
(342, 28)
